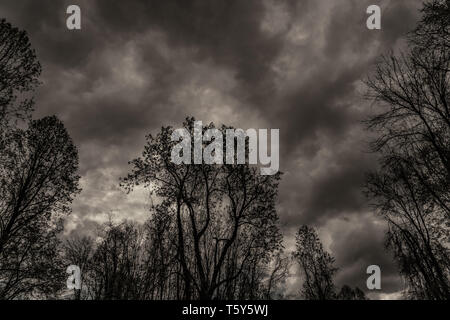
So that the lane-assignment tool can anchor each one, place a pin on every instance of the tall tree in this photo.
(38, 180)
(223, 221)
(411, 189)
(316, 264)
(127, 261)
(19, 73)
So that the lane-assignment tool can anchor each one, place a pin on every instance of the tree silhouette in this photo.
(316, 265)
(78, 251)
(38, 178)
(38, 181)
(221, 219)
(19, 73)
(317, 268)
(411, 190)
(433, 31)
(117, 268)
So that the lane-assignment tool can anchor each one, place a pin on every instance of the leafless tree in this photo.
(19, 73)
(278, 273)
(316, 264)
(412, 124)
(78, 251)
(117, 269)
(318, 270)
(223, 223)
(37, 183)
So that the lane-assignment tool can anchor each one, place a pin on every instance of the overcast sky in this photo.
(294, 65)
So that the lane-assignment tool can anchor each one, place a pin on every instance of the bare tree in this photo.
(37, 183)
(116, 270)
(411, 189)
(78, 251)
(127, 261)
(433, 30)
(277, 275)
(19, 73)
(316, 265)
(415, 231)
(317, 269)
(223, 219)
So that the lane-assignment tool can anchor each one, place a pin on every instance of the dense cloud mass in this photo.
(294, 65)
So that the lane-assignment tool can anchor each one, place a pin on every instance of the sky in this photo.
(296, 66)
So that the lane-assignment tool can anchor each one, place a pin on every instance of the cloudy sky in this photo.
(294, 65)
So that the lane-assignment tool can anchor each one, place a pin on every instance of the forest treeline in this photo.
(212, 230)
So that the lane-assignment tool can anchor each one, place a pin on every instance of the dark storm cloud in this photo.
(354, 240)
(294, 65)
(345, 57)
(338, 189)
